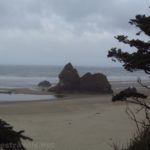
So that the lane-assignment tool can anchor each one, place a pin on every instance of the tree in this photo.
(139, 60)
(11, 139)
(133, 61)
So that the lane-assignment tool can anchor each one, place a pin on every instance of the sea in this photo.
(23, 76)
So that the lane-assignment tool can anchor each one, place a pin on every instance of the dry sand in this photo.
(78, 123)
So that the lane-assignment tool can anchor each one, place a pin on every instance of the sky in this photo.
(55, 32)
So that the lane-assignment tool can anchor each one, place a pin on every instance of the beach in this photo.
(77, 122)
(74, 75)
(66, 121)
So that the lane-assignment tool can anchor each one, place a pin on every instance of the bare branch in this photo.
(133, 117)
(143, 85)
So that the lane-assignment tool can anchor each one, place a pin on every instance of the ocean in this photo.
(12, 76)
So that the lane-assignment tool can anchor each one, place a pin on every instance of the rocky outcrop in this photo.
(44, 84)
(70, 81)
(95, 83)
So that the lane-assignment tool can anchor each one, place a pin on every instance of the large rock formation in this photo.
(68, 79)
(95, 83)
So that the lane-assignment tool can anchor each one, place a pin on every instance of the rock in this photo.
(44, 84)
(68, 79)
(95, 83)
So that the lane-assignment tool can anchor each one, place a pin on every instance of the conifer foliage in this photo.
(139, 59)
(11, 139)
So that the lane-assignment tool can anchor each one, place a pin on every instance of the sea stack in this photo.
(95, 83)
(70, 81)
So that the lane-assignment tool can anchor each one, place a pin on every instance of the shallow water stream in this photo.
(24, 97)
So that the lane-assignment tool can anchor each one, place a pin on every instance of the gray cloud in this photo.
(54, 31)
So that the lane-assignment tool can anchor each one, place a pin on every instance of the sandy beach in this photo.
(80, 122)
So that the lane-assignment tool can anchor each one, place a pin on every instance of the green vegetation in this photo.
(133, 61)
(11, 139)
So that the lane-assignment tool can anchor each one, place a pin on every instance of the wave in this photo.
(127, 78)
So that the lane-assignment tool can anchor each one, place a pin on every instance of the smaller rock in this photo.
(44, 84)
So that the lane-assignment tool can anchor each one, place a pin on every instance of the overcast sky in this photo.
(54, 32)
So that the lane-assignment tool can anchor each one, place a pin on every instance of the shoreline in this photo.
(65, 97)
(117, 86)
